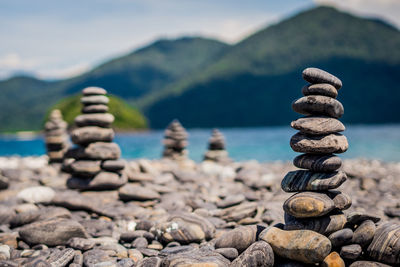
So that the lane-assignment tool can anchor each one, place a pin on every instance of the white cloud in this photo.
(388, 10)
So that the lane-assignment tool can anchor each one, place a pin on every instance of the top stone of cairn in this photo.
(93, 91)
(316, 76)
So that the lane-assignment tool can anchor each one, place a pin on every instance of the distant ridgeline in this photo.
(126, 117)
(206, 83)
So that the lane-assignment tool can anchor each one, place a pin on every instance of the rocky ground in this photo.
(168, 214)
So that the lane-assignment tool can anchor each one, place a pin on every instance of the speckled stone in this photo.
(308, 204)
(302, 180)
(324, 89)
(318, 105)
(317, 125)
(318, 163)
(319, 144)
(324, 225)
(299, 245)
(315, 76)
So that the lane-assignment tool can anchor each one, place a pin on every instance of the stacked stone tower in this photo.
(317, 205)
(175, 141)
(94, 164)
(55, 131)
(216, 148)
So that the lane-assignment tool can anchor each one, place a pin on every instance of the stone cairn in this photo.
(55, 131)
(94, 164)
(175, 141)
(216, 148)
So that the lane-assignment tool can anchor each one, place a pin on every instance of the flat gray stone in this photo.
(315, 76)
(318, 163)
(95, 109)
(317, 125)
(96, 151)
(364, 233)
(319, 144)
(95, 100)
(86, 168)
(135, 192)
(95, 119)
(341, 237)
(318, 105)
(259, 253)
(351, 252)
(301, 180)
(113, 165)
(324, 89)
(92, 90)
(91, 134)
(324, 225)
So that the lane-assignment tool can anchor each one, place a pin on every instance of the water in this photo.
(262, 144)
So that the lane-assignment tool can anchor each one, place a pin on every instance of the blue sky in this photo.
(56, 39)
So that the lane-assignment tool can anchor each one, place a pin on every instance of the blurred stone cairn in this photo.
(56, 136)
(216, 148)
(94, 163)
(175, 141)
(316, 230)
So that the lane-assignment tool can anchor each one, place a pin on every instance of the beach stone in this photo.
(318, 105)
(324, 89)
(299, 245)
(317, 125)
(132, 235)
(238, 212)
(385, 246)
(319, 144)
(368, 264)
(134, 192)
(230, 201)
(36, 194)
(140, 242)
(364, 233)
(90, 134)
(6, 214)
(92, 90)
(95, 109)
(324, 225)
(52, 232)
(95, 100)
(341, 237)
(239, 238)
(113, 165)
(94, 119)
(9, 239)
(81, 243)
(302, 180)
(96, 151)
(5, 252)
(86, 168)
(229, 253)
(316, 76)
(351, 252)
(4, 182)
(149, 262)
(102, 181)
(341, 200)
(308, 204)
(357, 218)
(333, 260)
(197, 257)
(259, 253)
(95, 256)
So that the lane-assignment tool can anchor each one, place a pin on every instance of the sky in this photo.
(58, 39)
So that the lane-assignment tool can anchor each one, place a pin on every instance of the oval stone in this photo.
(364, 233)
(341, 237)
(324, 225)
(259, 253)
(318, 163)
(87, 168)
(240, 238)
(319, 144)
(315, 75)
(91, 134)
(368, 264)
(333, 260)
(341, 200)
(95, 109)
(95, 119)
(318, 105)
(317, 125)
(92, 90)
(308, 204)
(299, 245)
(301, 180)
(97, 150)
(351, 252)
(385, 246)
(324, 89)
(95, 100)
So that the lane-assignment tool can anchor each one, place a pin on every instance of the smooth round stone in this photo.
(318, 105)
(385, 246)
(319, 144)
(91, 134)
(351, 252)
(333, 260)
(341, 237)
(259, 253)
(102, 181)
(135, 192)
(308, 204)
(324, 89)
(95, 109)
(97, 150)
(239, 238)
(364, 233)
(368, 264)
(94, 91)
(317, 125)
(95, 100)
(316, 76)
(113, 165)
(229, 253)
(299, 245)
(318, 163)
(342, 201)
(87, 168)
(301, 180)
(36, 194)
(95, 119)
(356, 218)
(324, 225)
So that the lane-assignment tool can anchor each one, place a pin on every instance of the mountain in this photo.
(254, 82)
(206, 83)
(141, 72)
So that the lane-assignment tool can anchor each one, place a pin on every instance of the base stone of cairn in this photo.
(216, 148)
(94, 163)
(56, 137)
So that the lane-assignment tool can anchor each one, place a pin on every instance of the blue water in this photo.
(263, 144)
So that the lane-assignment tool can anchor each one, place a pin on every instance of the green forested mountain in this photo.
(206, 83)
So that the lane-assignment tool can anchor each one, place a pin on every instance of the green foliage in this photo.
(126, 117)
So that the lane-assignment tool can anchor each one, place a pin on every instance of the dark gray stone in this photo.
(316, 76)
